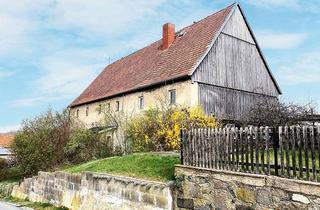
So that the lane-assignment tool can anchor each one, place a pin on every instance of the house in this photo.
(5, 144)
(215, 63)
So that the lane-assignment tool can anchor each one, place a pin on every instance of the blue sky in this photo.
(50, 50)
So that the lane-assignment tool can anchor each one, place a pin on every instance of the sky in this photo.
(50, 50)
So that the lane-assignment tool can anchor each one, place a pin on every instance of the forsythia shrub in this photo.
(159, 130)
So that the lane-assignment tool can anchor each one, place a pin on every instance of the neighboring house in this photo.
(5, 145)
(215, 63)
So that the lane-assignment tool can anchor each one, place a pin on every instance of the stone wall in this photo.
(204, 189)
(6, 188)
(94, 191)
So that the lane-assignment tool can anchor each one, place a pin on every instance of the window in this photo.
(172, 96)
(99, 109)
(117, 106)
(109, 142)
(77, 113)
(87, 111)
(108, 107)
(141, 102)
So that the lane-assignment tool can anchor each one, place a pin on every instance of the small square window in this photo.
(141, 102)
(172, 96)
(87, 111)
(117, 105)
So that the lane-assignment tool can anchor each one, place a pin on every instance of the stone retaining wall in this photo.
(207, 189)
(6, 188)
(94, 191)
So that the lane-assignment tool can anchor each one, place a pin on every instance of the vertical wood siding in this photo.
(226, 103)
(237, 27)
(236, 62)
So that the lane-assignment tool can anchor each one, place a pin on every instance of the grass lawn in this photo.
(145, 166)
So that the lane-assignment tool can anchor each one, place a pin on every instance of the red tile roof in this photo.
(151, 65)
(6, 140)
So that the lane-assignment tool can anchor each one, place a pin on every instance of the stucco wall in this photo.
(95, 192)
(186, 95)
(213, 189)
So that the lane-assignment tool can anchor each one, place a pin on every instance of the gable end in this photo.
(235, 60)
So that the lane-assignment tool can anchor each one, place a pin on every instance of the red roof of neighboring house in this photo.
(152, 65)
(6, 140)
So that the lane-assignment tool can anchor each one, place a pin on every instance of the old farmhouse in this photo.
(215, 63)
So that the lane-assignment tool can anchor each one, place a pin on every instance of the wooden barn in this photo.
(215, 63)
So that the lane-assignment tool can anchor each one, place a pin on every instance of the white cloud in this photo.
(64, 75)
(9, 128)
(280, 40)
(5, 74)
(38, 100)
(18, 22)
(104, 18)
(297, 5)
(274, 3)
(304, 69)
(98, 30)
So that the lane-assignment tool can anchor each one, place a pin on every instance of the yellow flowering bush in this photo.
(159, 130)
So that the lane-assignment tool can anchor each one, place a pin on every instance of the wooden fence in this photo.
(292, 152)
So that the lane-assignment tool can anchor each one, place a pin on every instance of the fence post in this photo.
(275, 150)
(181, 146)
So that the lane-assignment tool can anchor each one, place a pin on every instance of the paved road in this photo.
(6, 206)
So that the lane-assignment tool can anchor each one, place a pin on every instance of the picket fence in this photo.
(292, 152)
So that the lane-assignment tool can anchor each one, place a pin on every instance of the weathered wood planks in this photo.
(249, 150)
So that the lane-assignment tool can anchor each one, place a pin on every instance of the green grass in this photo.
(272, 160)
(145, 166)
(290, 155)
(33, 205)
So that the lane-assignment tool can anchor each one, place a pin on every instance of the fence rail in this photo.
(292, 152)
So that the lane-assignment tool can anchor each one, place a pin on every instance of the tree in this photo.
(117, 120)
(276, 113)
(51, 140)
(39, 145)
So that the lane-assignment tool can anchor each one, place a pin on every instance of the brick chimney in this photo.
(168, 34)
